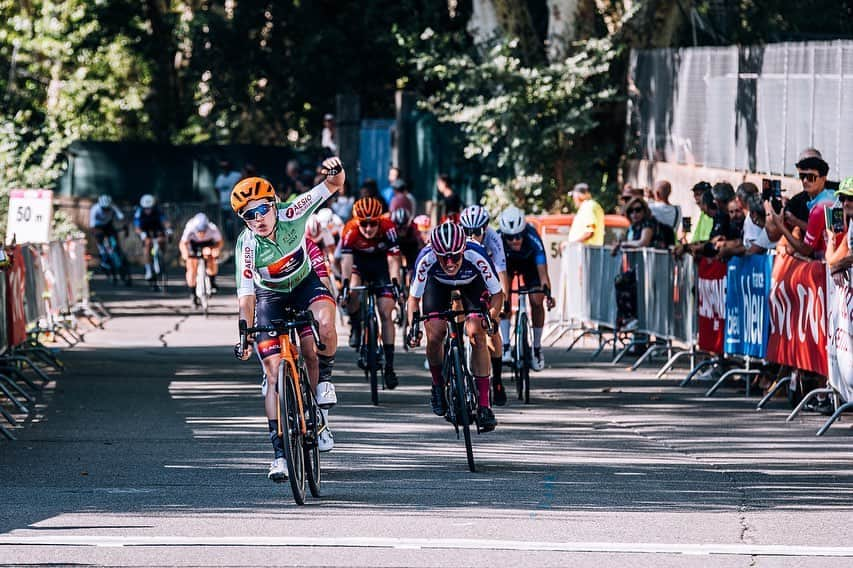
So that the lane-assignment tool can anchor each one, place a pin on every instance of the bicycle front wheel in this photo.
(291, 432)
(526, 358)
(372, 362)
(460, 403)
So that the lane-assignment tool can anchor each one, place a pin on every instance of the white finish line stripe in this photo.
(426, 543)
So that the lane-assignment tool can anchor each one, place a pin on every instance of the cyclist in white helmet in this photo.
(150, 224)
(203, 237)
(475, 221)
(525, 257)
(102, 215)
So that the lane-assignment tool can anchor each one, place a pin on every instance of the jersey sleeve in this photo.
(816, 227)
(495, 247)
(93, 216)
(538, 247)
(348, 238)
(305, 204)
(426, 259)
(137, 218)
(318, 259)
(119, 215)
(478, 256)
(391, 237)
(189, 229)
(245, 256)
(215, 233)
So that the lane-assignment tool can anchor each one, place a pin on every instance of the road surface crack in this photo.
(174, 329)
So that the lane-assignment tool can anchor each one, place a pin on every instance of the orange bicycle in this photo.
(300, 421)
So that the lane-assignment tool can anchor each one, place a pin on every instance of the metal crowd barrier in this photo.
(39, 294)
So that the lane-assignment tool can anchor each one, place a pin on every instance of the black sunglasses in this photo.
(366, 223)
(253, 213)
(842, 198)
(808, 177)
(517, 237)
(474, 232)
(635, 210)
(451, 257)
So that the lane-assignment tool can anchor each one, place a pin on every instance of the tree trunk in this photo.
(164, 91)
(515, 21)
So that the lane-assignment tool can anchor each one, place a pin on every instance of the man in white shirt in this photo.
(662, 210)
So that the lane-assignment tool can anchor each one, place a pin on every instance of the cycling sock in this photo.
(505, 332)
(389, 355)
(435, 371)
(483, 390)
(496, 370)
(277, 442)
(327, 362)
(537, 337)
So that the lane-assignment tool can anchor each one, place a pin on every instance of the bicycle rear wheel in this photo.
(460, 402)
(315, 422)
(291, 432)
(372, 362)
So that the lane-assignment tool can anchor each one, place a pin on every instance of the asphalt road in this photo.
(152, 450)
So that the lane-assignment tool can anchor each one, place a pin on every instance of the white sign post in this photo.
(30, 216)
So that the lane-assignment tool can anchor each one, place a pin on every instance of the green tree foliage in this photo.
(521, 122)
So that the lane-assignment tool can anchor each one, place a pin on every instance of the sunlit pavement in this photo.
(152, 450)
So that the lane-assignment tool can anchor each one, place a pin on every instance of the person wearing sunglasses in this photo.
(409, 239)
(452, 262)
(812, 170)
(274, 274)
(475, 222)
(525, 257)
(370, 253)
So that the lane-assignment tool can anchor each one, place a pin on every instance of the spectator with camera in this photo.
(812, 170)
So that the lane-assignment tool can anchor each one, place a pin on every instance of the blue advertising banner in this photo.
(746, 305)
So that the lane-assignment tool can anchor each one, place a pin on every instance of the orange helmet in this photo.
(367, 208)
(250, 189)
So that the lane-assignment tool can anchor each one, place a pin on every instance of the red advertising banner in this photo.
(16, 317)
(798, 315)
(711, 296)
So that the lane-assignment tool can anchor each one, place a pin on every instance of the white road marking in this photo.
(427, 543)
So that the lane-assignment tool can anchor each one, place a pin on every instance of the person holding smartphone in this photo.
(840, 256)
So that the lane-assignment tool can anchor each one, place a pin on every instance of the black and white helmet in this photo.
(474, 217)
(512, 221)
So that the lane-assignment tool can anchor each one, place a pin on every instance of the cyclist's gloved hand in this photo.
(343, 297)
(413, 338)
(242, 352)
(549, 300)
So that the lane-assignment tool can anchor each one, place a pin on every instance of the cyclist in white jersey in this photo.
(475, 221)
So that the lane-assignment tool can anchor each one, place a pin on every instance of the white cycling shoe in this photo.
(507, 356)
(278, 470)
(537, 362)
(326, 397)
(326, 440)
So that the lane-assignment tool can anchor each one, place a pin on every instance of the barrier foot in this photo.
(565, 329)
(728, 374)
(7, 433)
(669, 364)
(9, 418)
(43, 355)
(835, 415)
(776, 388)
(622, 353)
(695, 371)
(810, 395)
(21, 359)
(18, 404)
(582, 335)
(650, 352)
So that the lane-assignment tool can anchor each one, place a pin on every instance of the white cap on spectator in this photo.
(581, 188)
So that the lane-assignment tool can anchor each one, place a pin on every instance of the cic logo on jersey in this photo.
(484, 269)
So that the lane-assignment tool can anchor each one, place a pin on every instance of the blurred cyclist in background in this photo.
(150, 224)
(200, 238)
(101, 218)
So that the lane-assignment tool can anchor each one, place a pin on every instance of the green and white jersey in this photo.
(279, 263)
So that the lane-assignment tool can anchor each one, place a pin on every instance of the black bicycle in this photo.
(300, 421)
(371, 356)
(460, 392)
(522, 352)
